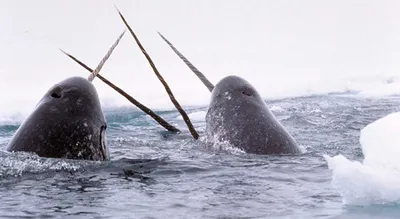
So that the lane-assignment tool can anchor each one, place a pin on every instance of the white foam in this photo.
(214, 143)
(375, 180)
(275, 108)
(15, 164)
(12, 119)
(196, 116)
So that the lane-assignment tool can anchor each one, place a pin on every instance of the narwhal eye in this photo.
(247, 93)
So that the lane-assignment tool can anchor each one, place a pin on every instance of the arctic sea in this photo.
(155, 174)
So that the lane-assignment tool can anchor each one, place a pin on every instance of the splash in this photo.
(278, 109)
(214, 142)
(16, 164)
(375, 180)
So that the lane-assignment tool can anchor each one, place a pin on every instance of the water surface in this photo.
(155, 174)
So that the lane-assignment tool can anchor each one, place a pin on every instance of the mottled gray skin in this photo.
(237, 114)
(68, 122)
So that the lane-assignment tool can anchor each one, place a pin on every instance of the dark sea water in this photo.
(154, 174)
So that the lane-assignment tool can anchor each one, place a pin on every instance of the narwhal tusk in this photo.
(142, 107)
(96, 71)
(170, 94)
(196, 71)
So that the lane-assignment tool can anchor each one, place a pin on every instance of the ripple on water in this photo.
(154, 174)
